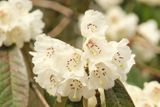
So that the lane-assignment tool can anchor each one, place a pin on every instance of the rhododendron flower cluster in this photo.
(66, 71)
(17, 23)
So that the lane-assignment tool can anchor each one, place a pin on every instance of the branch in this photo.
(54, 6)
(60, 27)
(152, 71)
(38, 93)
(98, 98)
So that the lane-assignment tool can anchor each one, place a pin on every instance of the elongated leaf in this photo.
(50, 99)
(118, 96)
(14, 85)
(73, 104)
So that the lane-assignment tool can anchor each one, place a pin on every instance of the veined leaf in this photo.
(118, 96)
(14, 85)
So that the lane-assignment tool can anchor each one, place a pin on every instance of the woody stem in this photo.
(98, 98)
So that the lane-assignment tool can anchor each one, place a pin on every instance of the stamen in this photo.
(92, 27)
(52, 78)
(93, 48)
(73, 62)
(118, 59)
(75, 94)
(101, 82)
(75, 86)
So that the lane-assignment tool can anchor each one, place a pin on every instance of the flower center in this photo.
(49, 52)
(73, 62)
(101, 72)
(93, 48)
(75, 86)
(92, 27)
(118, 59)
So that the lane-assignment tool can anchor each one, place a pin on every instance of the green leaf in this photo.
(14, 85)
(135, 77)
(118, 96)
(50, 99)
(74, 104)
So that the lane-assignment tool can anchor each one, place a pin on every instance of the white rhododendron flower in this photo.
(96, 49)
(76, 73)
(74, 88)
(138, 97)
(120, 24)
(149, 30)
(17, 23)
(123, 59)
(149, 96)
(106, 4)
(72, 61)
(93, 24)
(48, 80)
(152, 89)
(134, 92)
(150, 2)
(101, 76)
(22, 7)
(47, 49)
(139, 50)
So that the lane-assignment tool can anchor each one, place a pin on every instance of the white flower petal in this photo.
(21, 6)
(98, 49)
(123, 58)
(152, 89)
(121, 25)
(149, 30)
(101, 76)
(93, 24)
(49, 80)
(74, 89)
